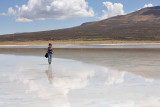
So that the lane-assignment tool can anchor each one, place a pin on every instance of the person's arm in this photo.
(52, 51)
(47, 50)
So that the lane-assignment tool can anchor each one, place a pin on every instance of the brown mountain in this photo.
(143, 24)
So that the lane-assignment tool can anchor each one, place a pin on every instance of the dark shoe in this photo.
(49, 62)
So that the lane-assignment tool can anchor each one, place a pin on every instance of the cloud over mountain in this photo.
(148, 5)
(51, 9)
(113, 9)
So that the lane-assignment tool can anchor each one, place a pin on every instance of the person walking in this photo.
(50, 52)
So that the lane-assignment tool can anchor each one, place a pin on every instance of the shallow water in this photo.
(116, 45)
(29, 81)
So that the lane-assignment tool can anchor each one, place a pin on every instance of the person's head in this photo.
(50, 45)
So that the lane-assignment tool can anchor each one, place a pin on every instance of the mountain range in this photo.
(143, 24)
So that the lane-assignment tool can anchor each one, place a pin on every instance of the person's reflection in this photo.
(49, 74)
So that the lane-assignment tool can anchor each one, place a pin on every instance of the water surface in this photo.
(113, 45)
(80, 78)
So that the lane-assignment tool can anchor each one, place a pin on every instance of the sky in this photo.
(17, 16)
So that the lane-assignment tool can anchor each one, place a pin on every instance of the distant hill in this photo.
(143, 24)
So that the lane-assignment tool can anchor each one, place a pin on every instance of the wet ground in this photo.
(80, 78)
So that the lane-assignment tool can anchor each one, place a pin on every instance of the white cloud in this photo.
(3, 14)
(51, 9)
(112, 10)
(11, 11)
(20, 19)
(148, 5)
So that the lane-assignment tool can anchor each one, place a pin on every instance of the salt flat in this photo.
(80, 77)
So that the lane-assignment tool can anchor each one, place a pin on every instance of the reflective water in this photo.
(28, 81)
(116, 45)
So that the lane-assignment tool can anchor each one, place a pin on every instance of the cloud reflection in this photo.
(78, 84)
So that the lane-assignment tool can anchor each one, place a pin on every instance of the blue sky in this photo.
(57, 14)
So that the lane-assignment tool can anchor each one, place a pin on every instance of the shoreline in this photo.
(73, 42)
